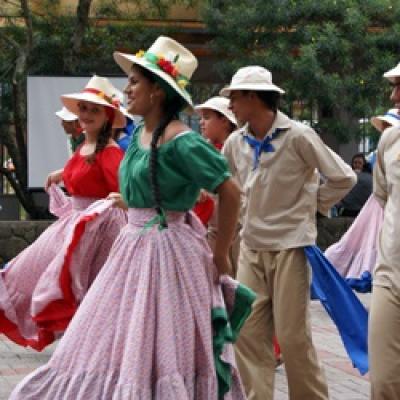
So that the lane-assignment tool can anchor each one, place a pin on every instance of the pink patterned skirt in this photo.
(154, 324)
(41, 288)
(356, 251)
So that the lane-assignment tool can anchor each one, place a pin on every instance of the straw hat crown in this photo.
(252, 77)
(166, 58)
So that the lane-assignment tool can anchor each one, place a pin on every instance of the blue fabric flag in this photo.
(342, 305)
(260, 146)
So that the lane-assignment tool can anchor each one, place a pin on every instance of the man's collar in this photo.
(281, 122)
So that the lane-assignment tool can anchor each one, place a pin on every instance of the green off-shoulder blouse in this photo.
(185, 165)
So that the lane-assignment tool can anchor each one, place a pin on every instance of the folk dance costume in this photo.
(41, 288)
(282, 194)
(384, 325)
(207, 210)
(155, 324)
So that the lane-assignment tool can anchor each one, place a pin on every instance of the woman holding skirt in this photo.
(161, 317)
(41, 288)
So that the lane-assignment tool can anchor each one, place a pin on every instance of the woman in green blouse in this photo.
(160, 319)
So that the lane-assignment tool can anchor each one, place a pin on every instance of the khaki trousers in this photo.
(281, 280)
(384, 344)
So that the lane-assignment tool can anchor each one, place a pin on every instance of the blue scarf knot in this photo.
(260, 146)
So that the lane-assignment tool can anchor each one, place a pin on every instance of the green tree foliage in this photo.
(327, 54)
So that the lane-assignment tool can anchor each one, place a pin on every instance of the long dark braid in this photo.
(102, 141)
(172, 110)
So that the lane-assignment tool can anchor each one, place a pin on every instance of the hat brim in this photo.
(392, 74)
(68, 117)
(382, 123)
(125, 61)
(214, 108)
(71, 102)
(226, 91)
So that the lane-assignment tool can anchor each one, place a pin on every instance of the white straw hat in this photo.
(220, 104)
(167, 59)
(66, 115)
(251, 78)
(393, 73)
(99, 90)
(391, 118)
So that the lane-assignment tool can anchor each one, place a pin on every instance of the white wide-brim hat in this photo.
(393, 73)
(66, 115)
(391, 118)
(167, 59)
(220, 104)
(251, 78)
(100, 91)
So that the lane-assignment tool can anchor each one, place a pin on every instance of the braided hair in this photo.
(171, 113)
(172, 106)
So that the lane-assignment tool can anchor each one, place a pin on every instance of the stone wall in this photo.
(15, 236)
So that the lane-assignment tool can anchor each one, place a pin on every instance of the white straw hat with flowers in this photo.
(391, 118)
(252, 77)
(167, 59)
(220, 104)
(100, 91)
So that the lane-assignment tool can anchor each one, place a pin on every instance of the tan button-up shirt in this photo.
(387, 191)
(281, 196)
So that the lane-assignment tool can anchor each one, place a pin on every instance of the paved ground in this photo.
(345, 383)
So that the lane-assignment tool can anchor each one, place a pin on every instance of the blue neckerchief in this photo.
(342, 305)
(395, 116)
(259, 146)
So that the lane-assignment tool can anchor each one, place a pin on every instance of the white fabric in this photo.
(356, 251)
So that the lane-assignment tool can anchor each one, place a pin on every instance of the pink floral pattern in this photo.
(144, 330)
(31, 281)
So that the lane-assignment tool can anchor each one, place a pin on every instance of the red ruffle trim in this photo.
(11, 330)
(56, 316)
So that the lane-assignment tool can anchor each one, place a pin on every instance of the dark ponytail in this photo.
(102, 141)
(172, 110)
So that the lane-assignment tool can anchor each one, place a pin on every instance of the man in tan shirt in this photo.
(384, 322)
(278, 162)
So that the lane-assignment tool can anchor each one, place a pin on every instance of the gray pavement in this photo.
(345, 383)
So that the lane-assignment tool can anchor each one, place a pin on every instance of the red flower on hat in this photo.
(166, 66)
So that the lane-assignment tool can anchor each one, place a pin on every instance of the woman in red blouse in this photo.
(41, 288)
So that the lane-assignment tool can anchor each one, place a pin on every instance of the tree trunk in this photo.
(82, 22)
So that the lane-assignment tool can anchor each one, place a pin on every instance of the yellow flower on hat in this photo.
(182, 83)
(140, 54)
